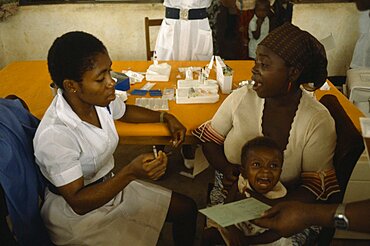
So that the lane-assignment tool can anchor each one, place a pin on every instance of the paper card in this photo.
(235, 212)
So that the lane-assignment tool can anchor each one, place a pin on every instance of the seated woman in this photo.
(279, 108)
(85, 203)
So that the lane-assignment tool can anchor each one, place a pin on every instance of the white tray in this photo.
(209, 83)
(196, 95)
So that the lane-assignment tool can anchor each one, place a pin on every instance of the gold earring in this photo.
(289, 86)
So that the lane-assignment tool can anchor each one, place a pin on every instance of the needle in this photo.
(155, 151)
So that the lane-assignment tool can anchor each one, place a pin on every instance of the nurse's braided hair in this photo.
(71, 55)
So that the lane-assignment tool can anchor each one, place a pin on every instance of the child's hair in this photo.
(260, 142)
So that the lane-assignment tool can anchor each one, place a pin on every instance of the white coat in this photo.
(361, 54)
(67, 148)
(185, 39)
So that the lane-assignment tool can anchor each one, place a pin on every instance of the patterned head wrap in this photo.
(301, 50)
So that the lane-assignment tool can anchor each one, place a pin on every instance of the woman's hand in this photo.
(286, 218)
(146, 166)
(176, 129)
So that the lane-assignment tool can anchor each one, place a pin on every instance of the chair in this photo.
(21, 183)
(149, 23)
(348, 150)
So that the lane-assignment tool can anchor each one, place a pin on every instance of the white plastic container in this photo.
(196, 95)
(224, 79)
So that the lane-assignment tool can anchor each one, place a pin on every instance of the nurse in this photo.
(85, 203)
(185, 33)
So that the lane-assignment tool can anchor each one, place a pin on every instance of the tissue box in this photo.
(158, 72)
(224, 76)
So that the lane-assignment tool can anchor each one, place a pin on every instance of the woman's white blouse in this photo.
(67, 148)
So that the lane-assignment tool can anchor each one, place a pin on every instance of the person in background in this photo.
(259, 26)
(361, 53)
(85, 203)
(223, 20)
(290, 217)
(229, 21)
(185, 33)
(277, 106)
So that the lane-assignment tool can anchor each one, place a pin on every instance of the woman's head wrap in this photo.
(301, 50)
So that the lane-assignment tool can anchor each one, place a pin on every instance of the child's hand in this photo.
(231, 173)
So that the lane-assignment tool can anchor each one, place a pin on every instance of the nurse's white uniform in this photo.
(361, 53)
(185, 39)
(67, 148)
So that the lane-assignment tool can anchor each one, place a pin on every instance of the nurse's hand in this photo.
(146, 166)
(176, 129)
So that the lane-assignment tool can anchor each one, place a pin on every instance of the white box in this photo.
(224, 76)
(358, 88)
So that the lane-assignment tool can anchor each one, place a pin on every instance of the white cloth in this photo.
(277, 191)
(312, 137)
(361, 53)
(185, 39)
(265, 27)
(67, 148)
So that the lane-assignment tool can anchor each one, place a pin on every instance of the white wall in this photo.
(340, 19)
(29, 34)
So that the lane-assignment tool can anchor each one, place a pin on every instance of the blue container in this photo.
(123, 81)
(123, 85)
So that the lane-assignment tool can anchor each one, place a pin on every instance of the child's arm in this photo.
(234, 195)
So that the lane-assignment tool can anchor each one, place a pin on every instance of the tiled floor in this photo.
(195, 188)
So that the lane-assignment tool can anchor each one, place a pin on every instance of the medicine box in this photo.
(224, 76)
(358, 88)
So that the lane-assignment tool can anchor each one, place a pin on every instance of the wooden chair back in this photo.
(148, 23)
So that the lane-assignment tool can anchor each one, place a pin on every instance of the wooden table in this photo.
(30, 80)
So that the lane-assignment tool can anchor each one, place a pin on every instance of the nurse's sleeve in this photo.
(57, 153)
(117, 108)
(318, 174)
